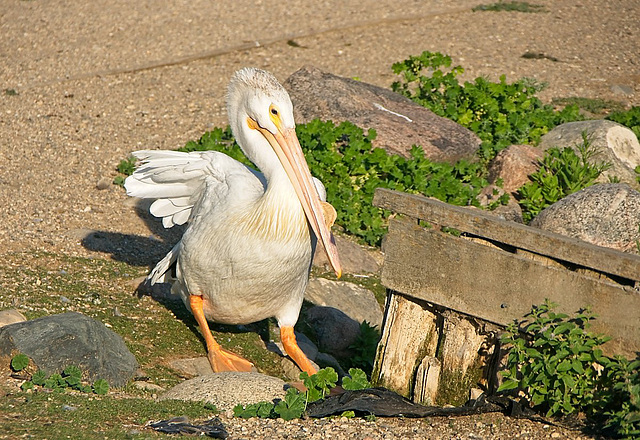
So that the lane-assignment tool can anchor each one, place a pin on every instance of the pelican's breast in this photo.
(253, 263)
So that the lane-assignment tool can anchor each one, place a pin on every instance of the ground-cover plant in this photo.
(512, 6)
(500, 113)
(558, 365)
(562, 172)
(595, 106)
(295, 402)
(364, 348)
(69, 379)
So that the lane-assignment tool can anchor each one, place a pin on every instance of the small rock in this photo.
(192, 366)
(355, 259)
(11, 316)
(605, 215)
(511, 212)
(148, 386)
(513, 165)
(57, 341)
(356, 302)
(621, 89)
(66, 407)
(225, 390)
(335, 330)
(104, 183)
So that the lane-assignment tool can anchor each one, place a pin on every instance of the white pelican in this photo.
(246, 253)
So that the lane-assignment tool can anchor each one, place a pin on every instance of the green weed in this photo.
(501, 114)
(562, 172)
(560, 369)
(295, 402)
(71, 378)
(512, 6)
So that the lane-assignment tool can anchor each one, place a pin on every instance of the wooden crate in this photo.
(451, 295)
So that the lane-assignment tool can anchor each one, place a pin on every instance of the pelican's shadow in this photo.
(132, 249)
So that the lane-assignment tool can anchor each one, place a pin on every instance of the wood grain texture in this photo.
(500, 286)
(480, 223)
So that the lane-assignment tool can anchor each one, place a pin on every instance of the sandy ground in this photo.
(83, 83)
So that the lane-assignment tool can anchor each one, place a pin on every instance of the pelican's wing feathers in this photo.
(178, 180)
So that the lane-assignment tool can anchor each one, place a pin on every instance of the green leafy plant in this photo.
(555, 367)
(622, 399)
(70, 378)
(364, 347)
(501, 114)
(513, 6)
(556, 363)
(562, 172)
(101, 387)
(19, 362)
(126, 167)
(319, 385)
(295, 403)
(357, 380)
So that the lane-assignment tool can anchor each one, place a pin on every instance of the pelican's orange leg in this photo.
(219, 358)
(288, 339)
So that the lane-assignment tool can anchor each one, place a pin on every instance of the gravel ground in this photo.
(83, 83)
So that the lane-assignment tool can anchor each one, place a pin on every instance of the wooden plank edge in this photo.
(529, 238)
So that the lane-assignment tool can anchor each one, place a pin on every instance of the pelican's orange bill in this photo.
(287, 147)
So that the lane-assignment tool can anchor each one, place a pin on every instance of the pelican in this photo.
(246, 252)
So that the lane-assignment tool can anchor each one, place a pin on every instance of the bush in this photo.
(562, 172)
(559, 368)
(501, 114)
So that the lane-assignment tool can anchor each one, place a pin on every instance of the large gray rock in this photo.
(605, 215)
(356, 302)
(612, 142)
(399, 122)
(335, 331)
(58, 341)
(226, 390)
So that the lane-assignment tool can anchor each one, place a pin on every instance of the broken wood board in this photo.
(409, 334)
(500, 286)
(477, 222)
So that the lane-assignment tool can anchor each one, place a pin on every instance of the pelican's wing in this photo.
(178, 180)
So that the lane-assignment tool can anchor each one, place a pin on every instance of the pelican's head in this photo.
(261, 118)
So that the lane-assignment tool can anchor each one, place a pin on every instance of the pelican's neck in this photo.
(280, 193)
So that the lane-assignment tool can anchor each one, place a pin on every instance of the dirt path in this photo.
(83, 83)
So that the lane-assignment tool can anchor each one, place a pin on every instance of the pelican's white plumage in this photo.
(246, 253)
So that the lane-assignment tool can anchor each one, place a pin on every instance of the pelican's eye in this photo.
(275, 115)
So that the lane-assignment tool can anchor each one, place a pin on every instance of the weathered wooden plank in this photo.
(409, 334)
(500, 286)
(514, 234)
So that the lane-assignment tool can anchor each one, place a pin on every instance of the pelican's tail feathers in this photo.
(166, 270)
